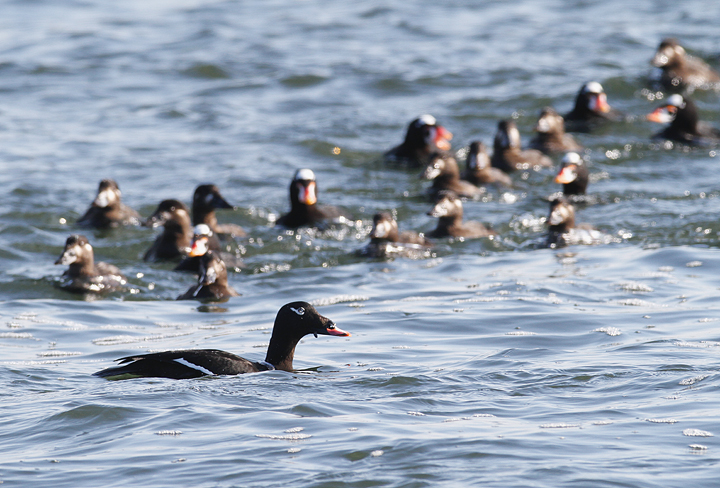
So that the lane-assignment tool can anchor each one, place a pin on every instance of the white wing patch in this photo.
(187, 363)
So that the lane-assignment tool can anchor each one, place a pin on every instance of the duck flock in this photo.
(195, 239)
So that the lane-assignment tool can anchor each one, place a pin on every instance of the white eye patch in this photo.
(299, 311)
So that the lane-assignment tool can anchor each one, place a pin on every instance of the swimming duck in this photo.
(679, 70)
(304, 210)
(445, 175)
(507, 154)
(293, 322)
(203, 241)
(449, 211)
(573, 174)
(107, 210)
(551, 136)
(387, 240)
(479, 170)
(685, 125)
(84, 274)
(212, 283)
(424, 138)
(562, 230)
(591, 109)
(174, 242)
(206, 200)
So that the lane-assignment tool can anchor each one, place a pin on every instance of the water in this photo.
(491, 363)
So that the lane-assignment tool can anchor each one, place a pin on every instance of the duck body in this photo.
(294, 321)
(479, 170)
(387, 241)
(508, 155)
(84, 275)
(212, 282)
(685, 126)
(551, 136)
(591, 109)
(304, 210)
(445, 175)
(174, 242)
(425, 139)
(562, 230)
(449, 212)
(206, 200)
(107, 210)
(679, 70)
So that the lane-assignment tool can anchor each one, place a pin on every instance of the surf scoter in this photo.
(304, 210)
(449, 211)
(507, 154)
(551, 136)
(174, 242)
(591, 109)
(562, 230)
(107, 210)
(424, 138)
(445, 175)
(84, 275)
(293, 322)
(206, 200)
(573, 174)
(479, 170)
(386, 239)
(685, 125)
(212, 283)
(203, 242)
(680, 71)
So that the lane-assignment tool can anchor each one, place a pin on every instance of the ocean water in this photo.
(490, 362)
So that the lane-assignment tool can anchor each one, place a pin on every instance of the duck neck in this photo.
(178, 232)
(445, 224)
(86, 267)
(207, 217)
(281, 350)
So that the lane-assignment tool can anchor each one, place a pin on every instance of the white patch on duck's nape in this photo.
(426, 119)
(300, 310)
(679, 50)
(593, 87)
(88, 247)
(676, 100)
(572, 158)
(202, 230)
(196, 367)
(304, 175)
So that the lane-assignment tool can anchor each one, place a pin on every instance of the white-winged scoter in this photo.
(293, 322)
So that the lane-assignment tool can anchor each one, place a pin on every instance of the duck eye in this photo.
(299, 311)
